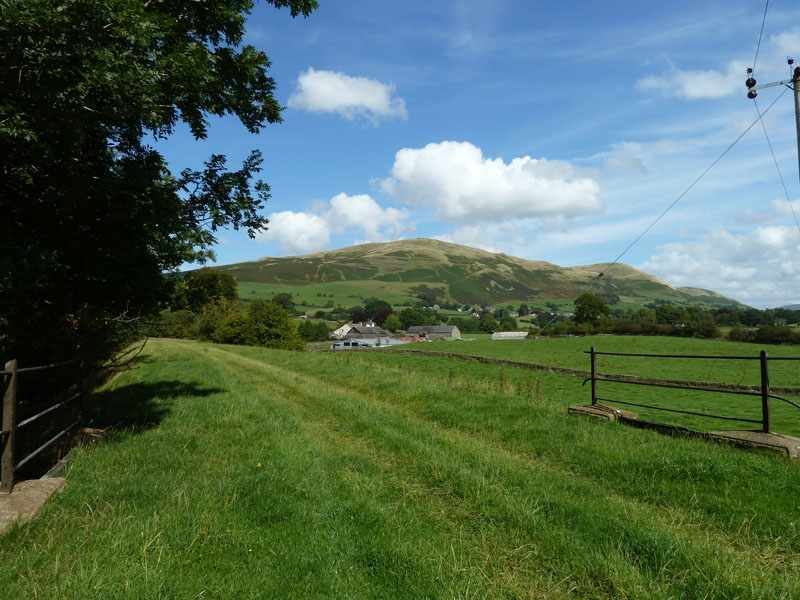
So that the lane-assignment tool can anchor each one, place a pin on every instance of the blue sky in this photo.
(549, 131)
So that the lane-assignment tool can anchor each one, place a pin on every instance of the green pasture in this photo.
(570, 390)
(316, 296)
(239, 472)
(571, 353)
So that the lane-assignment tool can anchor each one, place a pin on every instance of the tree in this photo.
(410, 317)
(92, 216)
(271, 327)
(323, 334)
(668, 314)
(488, 323)
(285, 300)
(306, 330)
(507, 324)
(392, 323)
(205, 285)
(588, 308)
(377, 310)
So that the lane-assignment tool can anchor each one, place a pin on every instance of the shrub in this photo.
(269, 326)
(740, 334)
(776, 334)
(177, 323)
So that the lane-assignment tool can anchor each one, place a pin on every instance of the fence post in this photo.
(10, 425)
(594, 377)
(764, 392)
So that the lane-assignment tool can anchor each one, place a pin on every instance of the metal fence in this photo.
(46, 396)
(763, 392)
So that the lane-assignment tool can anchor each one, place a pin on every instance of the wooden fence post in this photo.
(764, 392)
(9, 425)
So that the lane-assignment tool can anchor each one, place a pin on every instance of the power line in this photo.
(775, 160)
(761, 33)
(688, 189)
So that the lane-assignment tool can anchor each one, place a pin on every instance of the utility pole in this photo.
(793, 83)
(796, 84)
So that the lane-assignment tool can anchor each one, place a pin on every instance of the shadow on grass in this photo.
(139, 406)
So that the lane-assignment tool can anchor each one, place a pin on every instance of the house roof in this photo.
(432, 328)
(369, 330)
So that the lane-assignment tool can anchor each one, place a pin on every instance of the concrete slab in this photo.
(25, 500)
(601, 411)
(784, 444)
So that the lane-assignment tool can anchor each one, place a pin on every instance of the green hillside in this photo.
(464, 275)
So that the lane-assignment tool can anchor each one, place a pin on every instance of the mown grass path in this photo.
(237, 472)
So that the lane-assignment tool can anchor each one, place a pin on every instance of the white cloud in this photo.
(710, 83)
(305, 232)
(695, 84)
(757, 267)
(350, 97)
(297, 231)
(785, 43)
(363, 212)
(464, 187)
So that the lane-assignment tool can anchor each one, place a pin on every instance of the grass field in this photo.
(237, 472)
(316, 296)
(570, 353)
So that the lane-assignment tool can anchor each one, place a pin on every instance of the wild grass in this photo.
(237, 472)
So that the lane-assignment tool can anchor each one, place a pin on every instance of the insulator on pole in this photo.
(752, 94)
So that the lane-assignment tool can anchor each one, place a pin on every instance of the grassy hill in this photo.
(462, 274)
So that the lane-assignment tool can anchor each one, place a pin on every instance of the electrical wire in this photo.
(775, 160)
(761, 33)
(688, 189)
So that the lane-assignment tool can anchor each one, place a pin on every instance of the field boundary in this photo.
(587, 374)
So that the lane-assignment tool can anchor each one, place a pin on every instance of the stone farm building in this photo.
(433, 332)
(358, 330)
(365, 332)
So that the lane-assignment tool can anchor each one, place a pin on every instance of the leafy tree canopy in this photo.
(205, 285)
(392, 323)
(410, 317)
(92, 216)
(588, 308)
(285, 300)
(488, 323)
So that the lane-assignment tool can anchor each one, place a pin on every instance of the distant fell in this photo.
(468, 275)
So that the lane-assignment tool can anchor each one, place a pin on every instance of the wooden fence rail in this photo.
(11, 375)
(764, 392)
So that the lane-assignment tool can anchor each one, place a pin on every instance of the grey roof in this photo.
(363, 329)
(432, 329)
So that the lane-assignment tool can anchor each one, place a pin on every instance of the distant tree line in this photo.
(592, 315)
(206, 306)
